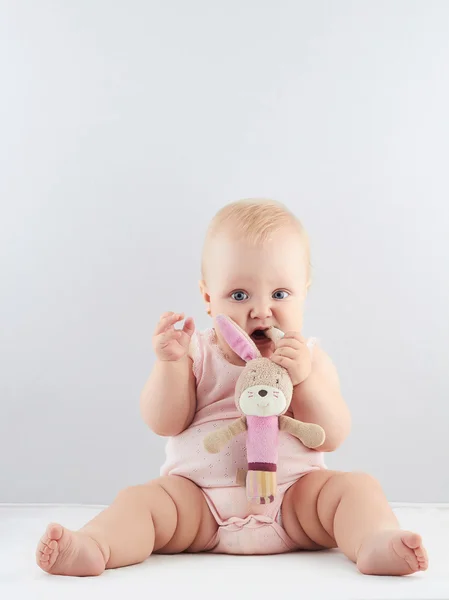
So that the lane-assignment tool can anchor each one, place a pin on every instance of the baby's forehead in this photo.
(260, 279)
(243, 274)
(275, 263)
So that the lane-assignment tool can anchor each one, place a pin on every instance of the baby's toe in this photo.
(413, 540)
(54, 531)
(422, 557)
(47, 549)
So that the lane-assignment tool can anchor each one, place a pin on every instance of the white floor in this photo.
(302, 575)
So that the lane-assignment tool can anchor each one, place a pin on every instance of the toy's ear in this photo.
(237, 339)
(274, 334)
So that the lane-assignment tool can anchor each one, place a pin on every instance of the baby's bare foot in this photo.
(392, 552)
(64, 552)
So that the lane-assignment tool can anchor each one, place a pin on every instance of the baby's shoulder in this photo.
(200, 338)
(311, 342)
(200, 344)
(321, 361)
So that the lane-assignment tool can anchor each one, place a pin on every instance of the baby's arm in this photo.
(168, 400)
(318, 400)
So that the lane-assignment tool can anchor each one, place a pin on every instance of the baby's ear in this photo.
(237, 339)
(205, 294)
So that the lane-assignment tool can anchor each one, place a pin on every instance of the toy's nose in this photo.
(263, 393)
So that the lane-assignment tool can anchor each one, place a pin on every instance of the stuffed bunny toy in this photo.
(263, 394)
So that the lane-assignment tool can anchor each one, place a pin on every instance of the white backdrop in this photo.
(126, 125)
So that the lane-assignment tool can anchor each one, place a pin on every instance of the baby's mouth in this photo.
(259, 335)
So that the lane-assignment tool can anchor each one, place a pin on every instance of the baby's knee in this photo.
(359, 480)
(145, 494)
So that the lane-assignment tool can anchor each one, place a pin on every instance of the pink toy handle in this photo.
(237, 339)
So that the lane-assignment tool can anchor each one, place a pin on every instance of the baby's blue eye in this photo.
(239, 296)
(280, 295)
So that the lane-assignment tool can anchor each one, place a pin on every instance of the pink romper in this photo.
(242, 528)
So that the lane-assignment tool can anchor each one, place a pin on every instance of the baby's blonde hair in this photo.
(255, 220)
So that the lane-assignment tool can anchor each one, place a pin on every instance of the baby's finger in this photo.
(168, 336)
(287, 352)
(189, 327)
(166, 314)
(167, 322)
(282, 361)
(295, 335)
(289, 343)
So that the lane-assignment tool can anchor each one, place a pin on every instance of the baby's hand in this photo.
(172, 344)
(293, 354)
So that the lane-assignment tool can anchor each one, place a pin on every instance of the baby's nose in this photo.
(263, 393)
(262, 310)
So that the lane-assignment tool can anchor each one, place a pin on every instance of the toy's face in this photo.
(264, 389)
(262, 401)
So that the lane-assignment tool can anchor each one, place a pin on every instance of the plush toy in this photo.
(263, 393)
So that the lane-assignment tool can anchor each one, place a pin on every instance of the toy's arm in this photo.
(215, 441)
(311, 435)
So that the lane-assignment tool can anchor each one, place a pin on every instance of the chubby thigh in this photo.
(308, 508)
(182, 519)
(326, 509)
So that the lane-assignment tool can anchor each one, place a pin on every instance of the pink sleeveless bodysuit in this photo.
(242, 528)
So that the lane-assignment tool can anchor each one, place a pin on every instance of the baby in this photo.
(255, 270)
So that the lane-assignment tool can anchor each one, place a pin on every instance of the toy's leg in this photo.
(325, 509)
(261, 486)
(168, 515)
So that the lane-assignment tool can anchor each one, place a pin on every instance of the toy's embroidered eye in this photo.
(280, 294)
(239, 296)
(277, 381)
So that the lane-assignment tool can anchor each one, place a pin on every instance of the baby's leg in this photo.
(168, 515)
(325, 509)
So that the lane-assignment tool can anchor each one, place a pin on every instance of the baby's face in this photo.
(258, 286)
